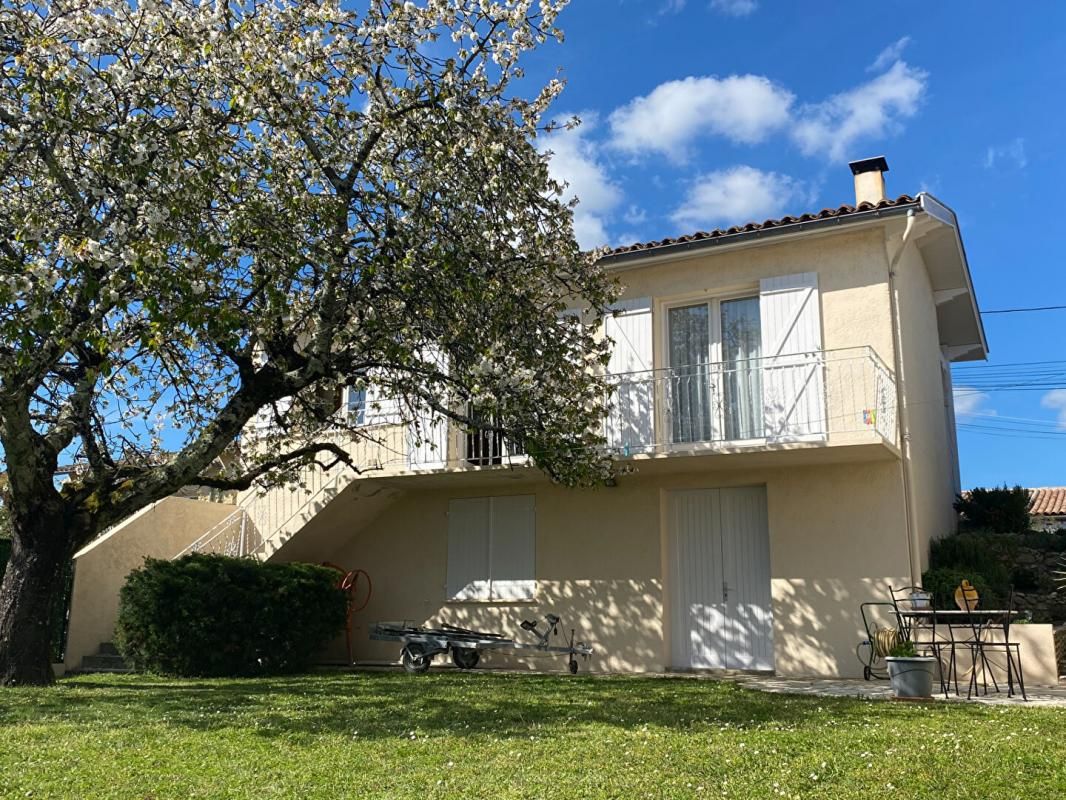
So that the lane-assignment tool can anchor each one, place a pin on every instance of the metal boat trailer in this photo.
(420, 645)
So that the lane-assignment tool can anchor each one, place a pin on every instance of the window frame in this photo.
(713, 300)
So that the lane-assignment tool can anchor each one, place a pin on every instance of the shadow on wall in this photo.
(818, 624)
(620, 619)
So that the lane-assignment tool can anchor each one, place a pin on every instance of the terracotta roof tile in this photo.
(718, 233)
(1048, 501)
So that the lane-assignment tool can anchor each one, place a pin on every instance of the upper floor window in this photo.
(355, 405)
(715, 379)
(742, 367)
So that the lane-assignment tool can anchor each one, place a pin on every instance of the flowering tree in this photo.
(213, 208)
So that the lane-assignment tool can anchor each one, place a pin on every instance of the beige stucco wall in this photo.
(1037, 647)
(835, 541)
(931, 445)
(837, 532)
(100, 569)
(852, 282)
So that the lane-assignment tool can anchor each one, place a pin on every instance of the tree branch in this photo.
(245, 481)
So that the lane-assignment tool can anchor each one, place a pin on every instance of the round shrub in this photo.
(212, 615)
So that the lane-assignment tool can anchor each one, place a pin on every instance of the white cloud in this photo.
(737, 195)
(576, 162)
(742, 108)
(890, 55)
(626, 238)
(672, 7)
(635, 215)
(1013, 154)
(876, 108)
(735, 8)
(1056, 399)
(970, 402)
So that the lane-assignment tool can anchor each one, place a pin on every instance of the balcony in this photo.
(823, 397)
(827, 397)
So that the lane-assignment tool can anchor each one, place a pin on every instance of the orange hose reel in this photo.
(349, 584)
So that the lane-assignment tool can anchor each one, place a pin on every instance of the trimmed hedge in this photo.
(214, 616)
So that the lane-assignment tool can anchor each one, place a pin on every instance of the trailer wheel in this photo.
(573, 666)
(415, 660)
(465, 657)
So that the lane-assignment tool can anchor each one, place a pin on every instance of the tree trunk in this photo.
(32, 585)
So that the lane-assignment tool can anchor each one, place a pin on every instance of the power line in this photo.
(1031, 421)
(1024, 310)
(960, 367)
(1008, 434)
(1012, 428)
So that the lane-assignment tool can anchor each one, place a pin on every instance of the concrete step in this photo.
(106, 659)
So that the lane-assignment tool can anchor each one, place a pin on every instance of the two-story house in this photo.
(782, 418)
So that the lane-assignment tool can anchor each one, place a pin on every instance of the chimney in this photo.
(869, 179)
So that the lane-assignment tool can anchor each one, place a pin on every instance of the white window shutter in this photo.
(512, 551)
(381, 407)
(793, 360)
(427, 434)
(468, 549)
(266, 420)
(630, 425)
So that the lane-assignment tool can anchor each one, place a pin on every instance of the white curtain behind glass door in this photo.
(689, 385)
(742, 373)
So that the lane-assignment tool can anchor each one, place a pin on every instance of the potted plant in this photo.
(910, 673)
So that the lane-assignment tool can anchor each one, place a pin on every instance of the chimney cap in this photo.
(875, 164)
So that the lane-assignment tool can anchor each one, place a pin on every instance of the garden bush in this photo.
(211, 615)
(1000, 509)
(980, 551)
(942, 582)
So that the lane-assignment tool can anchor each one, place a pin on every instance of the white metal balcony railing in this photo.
(802, 397)
(847, 395)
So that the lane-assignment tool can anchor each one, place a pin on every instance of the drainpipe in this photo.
(902, 410)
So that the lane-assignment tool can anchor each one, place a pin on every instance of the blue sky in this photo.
(699, 113)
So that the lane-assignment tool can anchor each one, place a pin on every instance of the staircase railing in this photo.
(242, 533)
(234, 535)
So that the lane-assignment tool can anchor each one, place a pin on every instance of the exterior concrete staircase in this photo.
(298, 524)
(106, 659)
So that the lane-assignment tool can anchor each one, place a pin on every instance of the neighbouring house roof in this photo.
(1048, 501)
(753, 227)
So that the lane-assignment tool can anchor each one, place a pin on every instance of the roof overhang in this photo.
(962, 334)
(746, 238)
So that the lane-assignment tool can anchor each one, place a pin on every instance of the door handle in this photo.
(725, 592)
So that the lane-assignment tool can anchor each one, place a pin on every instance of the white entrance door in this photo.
(720, 615)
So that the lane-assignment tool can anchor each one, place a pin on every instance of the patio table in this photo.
(955, 619)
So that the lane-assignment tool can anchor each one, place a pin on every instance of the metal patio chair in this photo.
(916, 617)
(981, 645)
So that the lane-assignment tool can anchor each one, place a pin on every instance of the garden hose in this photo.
(883, 640)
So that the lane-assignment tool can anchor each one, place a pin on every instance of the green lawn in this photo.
(480, 735)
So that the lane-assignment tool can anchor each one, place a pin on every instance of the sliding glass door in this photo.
(715, 387)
